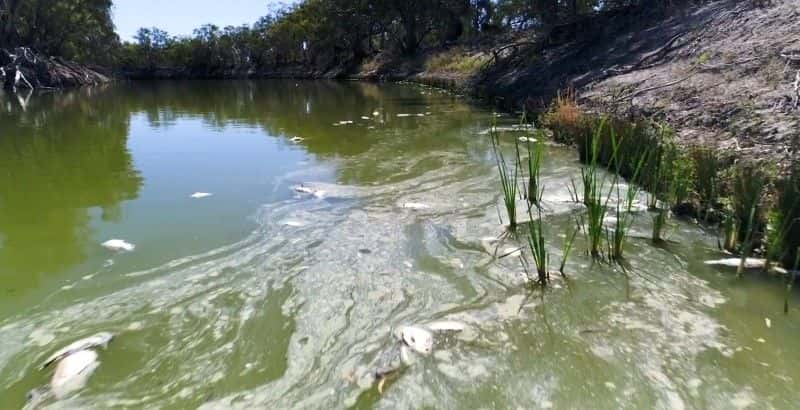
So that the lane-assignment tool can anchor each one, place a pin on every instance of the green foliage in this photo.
(788, 209)
(535, 189)
(706, 166)
(568, 247)
(76, 29)
(749, 183)
(508, 180)
(541, 258)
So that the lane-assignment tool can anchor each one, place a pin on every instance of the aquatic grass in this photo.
(570, 240)
(624, 206)
(790, 281)
(747, 244)
(659, 222)
(707, 167)
(593, 197)
(541, 258)
(730, 233)
(747, 195)
(508, 179)
(788, 207)
(535, 189)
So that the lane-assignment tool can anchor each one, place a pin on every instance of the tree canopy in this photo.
(315, 33)
(75, 29)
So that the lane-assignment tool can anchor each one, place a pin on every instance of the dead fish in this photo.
(99, 340)
(200, 195)
(296, 139)
(749, 263)
(446, 326)
(75, 364)
(415, 205)
(118, 245)
(308, 190)
(417, 338)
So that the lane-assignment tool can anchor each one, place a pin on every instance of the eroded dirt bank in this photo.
(722, 73)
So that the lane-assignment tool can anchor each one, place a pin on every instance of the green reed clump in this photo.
(541, 259)
(593, 197)
(788, 208)
(747, 194)
(747, 244)
(535, 189)
(508, 179)
(707, 167)
(671, 186)
(730, 232)
(623, 214)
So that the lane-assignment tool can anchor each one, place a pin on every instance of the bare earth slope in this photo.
(725, 73)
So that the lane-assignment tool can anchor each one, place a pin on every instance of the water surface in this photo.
(262, 297)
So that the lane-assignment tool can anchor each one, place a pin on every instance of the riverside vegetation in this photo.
(756, 211)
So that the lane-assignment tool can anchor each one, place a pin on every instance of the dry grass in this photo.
(565, 118)
(457, 61)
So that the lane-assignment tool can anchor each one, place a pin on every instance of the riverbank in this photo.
(723, 74)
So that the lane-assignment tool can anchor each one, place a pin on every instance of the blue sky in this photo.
(180, 17)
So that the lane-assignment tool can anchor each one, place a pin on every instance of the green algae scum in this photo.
(272, 236)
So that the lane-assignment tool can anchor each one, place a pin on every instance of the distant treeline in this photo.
(318, 34)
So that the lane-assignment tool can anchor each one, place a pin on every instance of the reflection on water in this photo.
(59, 156)
(263, 297)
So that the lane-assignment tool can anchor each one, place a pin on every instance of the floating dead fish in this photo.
(296, 139)
(75, 364)
(73, 372)
(347, 122)
(118, 245)
(417, 338)
(749, 263)
(293, 223)
(309, 190)
(411, 338)
(376, 113)
(365, 118)
(527, 139)
(99, 340)
(415, 205)
(200, 195)
(404, 115)
(446, 326)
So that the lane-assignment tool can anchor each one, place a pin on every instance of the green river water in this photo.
(262, 297)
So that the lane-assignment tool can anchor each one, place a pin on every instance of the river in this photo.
(261, 296)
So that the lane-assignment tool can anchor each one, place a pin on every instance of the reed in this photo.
(508, 179)
(730, 233)
(535, 189)
(707, 166)
(747, 194)
(568, 248)
(593, 195)
(747, 245)
(538, 250)
(788, 207)
(624, 205)
(790, 281)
